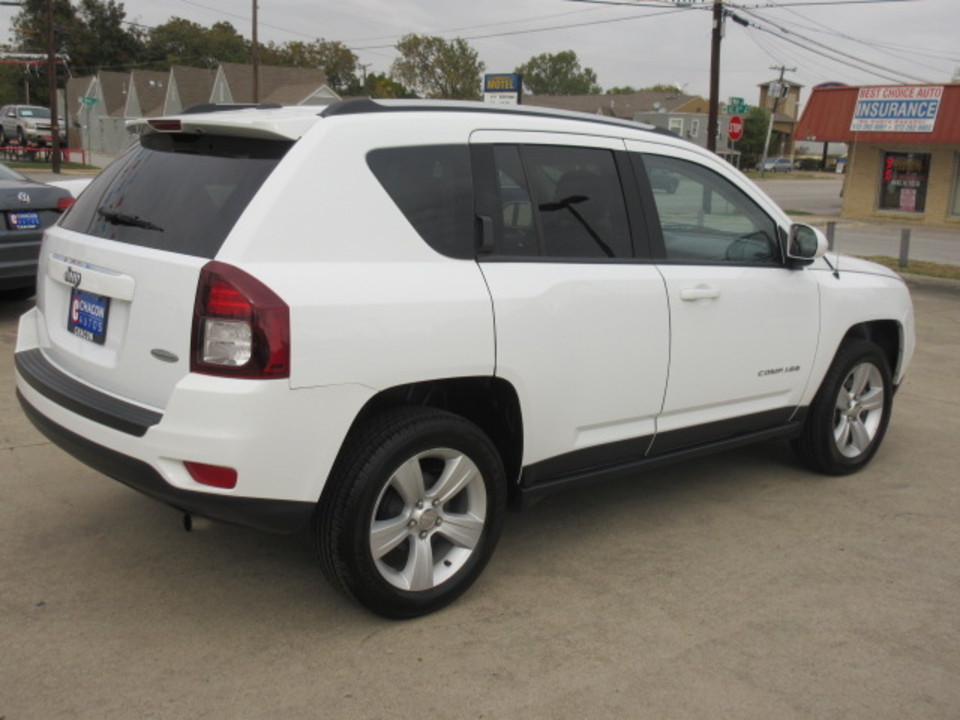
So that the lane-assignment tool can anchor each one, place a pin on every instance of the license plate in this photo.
(87, 315)
(23, 220)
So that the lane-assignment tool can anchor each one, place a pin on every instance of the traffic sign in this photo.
(736, 106)
(89, 100)
(735, 128)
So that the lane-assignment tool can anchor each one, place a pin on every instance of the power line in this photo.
(510, 33)
(827, 48)
(823, 28)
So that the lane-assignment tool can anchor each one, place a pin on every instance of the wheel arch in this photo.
(490, 403)
(885, 334)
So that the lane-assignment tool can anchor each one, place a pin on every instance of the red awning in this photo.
(829, 113)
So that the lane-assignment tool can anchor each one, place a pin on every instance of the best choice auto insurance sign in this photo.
(896, 109)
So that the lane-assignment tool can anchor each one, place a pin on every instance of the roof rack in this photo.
(366, 105)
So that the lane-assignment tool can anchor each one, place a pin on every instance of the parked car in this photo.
(74, 186)
(381, 321)
(28, 208)
(662, 180)
(27, 125)
(777, 164)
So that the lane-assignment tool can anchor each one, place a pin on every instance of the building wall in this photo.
(862, 184)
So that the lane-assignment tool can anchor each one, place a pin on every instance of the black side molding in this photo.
(62, 389)
(529, 494)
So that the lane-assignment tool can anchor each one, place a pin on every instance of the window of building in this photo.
(955, 200)
(569, 198)
(903, 181)
(706, 218)
(695, 127)
(676, 125)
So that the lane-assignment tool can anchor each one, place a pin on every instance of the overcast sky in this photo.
(650, 42)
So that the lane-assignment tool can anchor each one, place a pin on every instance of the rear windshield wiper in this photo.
(119, 218)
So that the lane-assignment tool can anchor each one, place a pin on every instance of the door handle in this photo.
(700, 292)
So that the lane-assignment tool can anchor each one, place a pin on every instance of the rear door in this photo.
(118, 276)
(582, 324)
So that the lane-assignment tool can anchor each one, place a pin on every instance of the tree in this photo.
(382, 86)
(184, 42)
(558, 74)
(92, 34)
(436, 68)
(754, 135)
(662, 87)
(337, 61)
(659, 87)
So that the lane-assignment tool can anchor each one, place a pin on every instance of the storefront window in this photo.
(903, 181)
(955, 203)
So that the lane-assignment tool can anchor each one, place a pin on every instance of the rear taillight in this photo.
(64, 203)
(241, 328)
(165, 125)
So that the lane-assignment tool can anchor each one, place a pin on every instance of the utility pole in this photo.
(712, 117)
(52, 83)
(255, 57)
(776, 103)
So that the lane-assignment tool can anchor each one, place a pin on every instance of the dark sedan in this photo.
(28, 207)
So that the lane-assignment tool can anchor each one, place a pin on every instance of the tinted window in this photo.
(705, 217)
(518, 234)
(181, 193)
(571, 197)
(433, 187)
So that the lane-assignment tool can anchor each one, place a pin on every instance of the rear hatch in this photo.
(118, 276)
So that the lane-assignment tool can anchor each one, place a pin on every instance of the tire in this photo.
(21, 138)
(850, 413)
(412, 512)
(4, 140)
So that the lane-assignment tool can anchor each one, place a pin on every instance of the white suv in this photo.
(383, 320)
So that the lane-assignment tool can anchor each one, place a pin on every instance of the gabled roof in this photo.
(283, 85)
(113, 89)
(193, 85)
(829, 113)
(77, 87)
(151, 89)
(622, 106)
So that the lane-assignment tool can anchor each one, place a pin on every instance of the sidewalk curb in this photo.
(922, 282)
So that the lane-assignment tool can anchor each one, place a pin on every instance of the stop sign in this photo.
(735, 128)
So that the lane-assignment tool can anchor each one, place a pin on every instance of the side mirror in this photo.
(805, 244)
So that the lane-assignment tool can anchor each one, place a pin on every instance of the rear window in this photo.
(433, 187)
(176, 192)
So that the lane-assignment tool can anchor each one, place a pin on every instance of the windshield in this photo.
(34, 112)
(176, 192)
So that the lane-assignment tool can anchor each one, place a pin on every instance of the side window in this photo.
(568, 197)
(706, 218)
(519, 234)
(433, 187)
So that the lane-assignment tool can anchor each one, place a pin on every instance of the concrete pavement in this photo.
(738, 586)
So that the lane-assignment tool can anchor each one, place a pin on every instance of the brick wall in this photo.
(861, 186)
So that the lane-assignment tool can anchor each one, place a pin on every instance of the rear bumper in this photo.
(284, 516)
(281, 442)
(18, 258)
